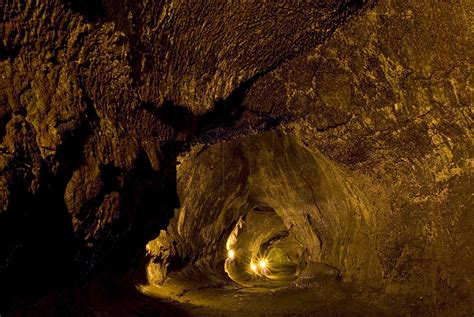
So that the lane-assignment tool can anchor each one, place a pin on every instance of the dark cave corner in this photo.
(150, 195)
(41, 225)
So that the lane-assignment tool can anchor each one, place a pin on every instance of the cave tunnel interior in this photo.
(236, 158)
(274, 216)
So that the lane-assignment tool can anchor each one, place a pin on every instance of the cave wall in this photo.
(389, 96)
(70, 147)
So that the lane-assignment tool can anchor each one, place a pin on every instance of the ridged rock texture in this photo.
(101, 100)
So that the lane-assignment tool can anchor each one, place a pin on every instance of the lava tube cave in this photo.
(236, 158)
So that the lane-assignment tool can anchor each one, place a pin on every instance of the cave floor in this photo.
(324, 297)
(112, 295)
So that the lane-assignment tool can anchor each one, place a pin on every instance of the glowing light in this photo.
(253, 266)
(231, 254)
(262, 264)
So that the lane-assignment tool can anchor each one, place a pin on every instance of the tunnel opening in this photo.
(261, 214)
(262, 251)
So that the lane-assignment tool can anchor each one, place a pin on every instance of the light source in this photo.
(253, 266)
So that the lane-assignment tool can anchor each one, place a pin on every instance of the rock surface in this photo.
(98, 100)
(391, 99)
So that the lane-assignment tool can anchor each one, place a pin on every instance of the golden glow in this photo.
(231, 254)
(253, 266)
(259, 265)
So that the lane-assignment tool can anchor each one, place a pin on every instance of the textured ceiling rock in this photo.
(196, 52)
